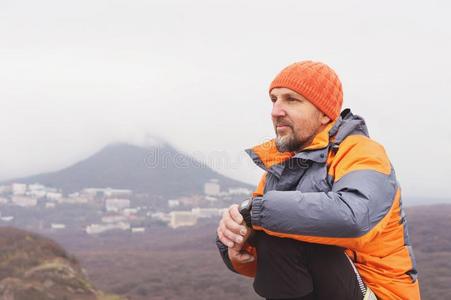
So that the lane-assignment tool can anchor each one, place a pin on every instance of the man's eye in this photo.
(273, 100)
(292, 99)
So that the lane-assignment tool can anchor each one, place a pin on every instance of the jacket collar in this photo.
(269, 158)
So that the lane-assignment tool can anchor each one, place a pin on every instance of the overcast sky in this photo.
(77, 75)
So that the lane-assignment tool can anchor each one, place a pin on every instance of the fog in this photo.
(77, 75)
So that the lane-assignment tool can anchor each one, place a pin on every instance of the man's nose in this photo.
(277, 109)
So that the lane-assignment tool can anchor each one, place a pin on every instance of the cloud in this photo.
(76, 76)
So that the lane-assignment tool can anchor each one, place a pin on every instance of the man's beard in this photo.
(299, 136)
(288, 143)
(293, 141)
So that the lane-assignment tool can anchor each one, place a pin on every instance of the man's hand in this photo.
(240, 256)
(232, 231)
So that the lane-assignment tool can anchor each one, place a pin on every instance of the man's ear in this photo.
(324, 119)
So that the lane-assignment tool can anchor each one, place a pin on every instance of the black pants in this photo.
(290, 269)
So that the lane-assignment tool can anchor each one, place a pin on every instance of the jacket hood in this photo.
(267, 156)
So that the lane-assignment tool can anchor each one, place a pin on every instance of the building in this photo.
(7, 218)
(109, 192)
(116, 204)
(5, 189)
(36, 187)
(50, 205)
(207, 212)
(173, 203)
(24, 201)
(92, 192)
(161, 216)
(129, 212)
(113, 219)
(138, 229)
(211, 199)
(192, 201)
(212, 188)
(37, 193)
(240, 191)
(182, 218)
(74, 200)
(99, 228)
(19, 188)
(57, 226)
(54, 196)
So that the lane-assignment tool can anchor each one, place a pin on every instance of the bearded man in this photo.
(326, 220)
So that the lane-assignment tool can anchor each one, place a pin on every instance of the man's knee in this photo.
(287, 268)
(333, 274)
(281, 268)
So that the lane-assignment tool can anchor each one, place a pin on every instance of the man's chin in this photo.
(287, 144)
(282, 144)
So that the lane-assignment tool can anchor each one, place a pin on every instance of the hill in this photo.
(429, 229)
(184, 263)
(34, 267)
(157, 170)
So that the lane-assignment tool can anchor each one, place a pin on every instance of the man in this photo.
(326, 220)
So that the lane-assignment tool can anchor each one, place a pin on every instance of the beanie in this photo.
(315, 81)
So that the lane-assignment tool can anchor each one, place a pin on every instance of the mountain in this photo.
(34, 267)
(157, 170)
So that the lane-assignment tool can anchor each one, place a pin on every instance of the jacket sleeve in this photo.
(246, 269)
(355, 209)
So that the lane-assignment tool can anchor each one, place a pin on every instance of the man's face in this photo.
(296, 120)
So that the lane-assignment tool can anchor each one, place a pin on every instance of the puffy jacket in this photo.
(341, 190)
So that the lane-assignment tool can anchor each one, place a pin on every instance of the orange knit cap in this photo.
(316, 81)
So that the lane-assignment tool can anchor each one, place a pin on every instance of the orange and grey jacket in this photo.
(341, 190)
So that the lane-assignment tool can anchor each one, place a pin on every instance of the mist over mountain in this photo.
(157, 169)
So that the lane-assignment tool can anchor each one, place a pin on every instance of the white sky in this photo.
(76, 75)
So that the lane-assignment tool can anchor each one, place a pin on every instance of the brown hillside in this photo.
(431, 238)
(34, 267)
(184, 263)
